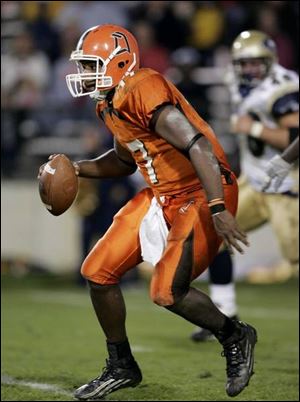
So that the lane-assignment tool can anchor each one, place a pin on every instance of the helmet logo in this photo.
(121, 40)
(269, 44)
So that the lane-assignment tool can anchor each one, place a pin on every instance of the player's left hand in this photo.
(241, 124)
(226, 227)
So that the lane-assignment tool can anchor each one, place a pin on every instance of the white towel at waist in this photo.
(153, 233)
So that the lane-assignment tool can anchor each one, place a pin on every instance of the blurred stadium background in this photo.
(187, 41)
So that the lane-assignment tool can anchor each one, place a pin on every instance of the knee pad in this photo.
(168, 300)
(161, 299)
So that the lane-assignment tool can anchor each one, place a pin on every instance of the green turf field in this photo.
(51, 344)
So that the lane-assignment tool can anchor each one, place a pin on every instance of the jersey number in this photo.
(138, 146)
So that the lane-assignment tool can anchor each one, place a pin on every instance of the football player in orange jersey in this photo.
(177, 223)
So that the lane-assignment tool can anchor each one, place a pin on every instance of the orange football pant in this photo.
(192, 243)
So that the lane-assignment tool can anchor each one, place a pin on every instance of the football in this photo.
(58, 184)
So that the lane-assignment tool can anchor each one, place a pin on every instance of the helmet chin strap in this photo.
(98, 96)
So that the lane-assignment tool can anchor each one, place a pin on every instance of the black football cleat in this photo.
(204, 335)
(239, 353)
(114, 377)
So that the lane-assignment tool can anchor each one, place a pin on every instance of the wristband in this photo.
(256, 129)
(215, 209)
(215, 201)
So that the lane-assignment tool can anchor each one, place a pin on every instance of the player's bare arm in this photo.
(173, 126)
(116, 162)
(279, 137)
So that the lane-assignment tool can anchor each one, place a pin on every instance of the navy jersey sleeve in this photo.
(288, 103)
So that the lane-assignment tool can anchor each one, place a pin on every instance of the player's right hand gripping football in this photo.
(41, 169)
(227, 228)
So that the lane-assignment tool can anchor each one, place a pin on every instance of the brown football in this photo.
(58, 184)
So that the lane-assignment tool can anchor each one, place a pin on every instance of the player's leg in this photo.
(192, 244)
(220, 275)
(114, 254)
(254, 210)
(284, 218)
(222, 292)
(222, 289)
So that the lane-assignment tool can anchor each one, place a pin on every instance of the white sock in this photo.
(224, 298)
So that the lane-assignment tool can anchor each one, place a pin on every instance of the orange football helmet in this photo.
(111, 52)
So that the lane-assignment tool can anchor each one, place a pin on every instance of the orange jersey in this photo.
(128, 116)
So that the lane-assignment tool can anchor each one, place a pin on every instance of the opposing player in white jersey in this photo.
(265, 100)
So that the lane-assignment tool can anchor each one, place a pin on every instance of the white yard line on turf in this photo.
(140, 348)
(6, 380)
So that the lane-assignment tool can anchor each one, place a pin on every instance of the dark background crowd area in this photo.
(185, 40)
